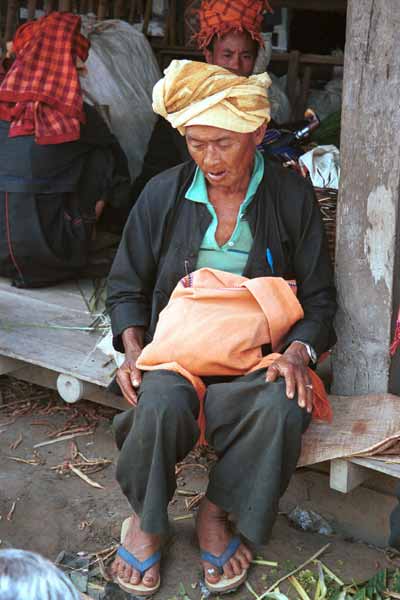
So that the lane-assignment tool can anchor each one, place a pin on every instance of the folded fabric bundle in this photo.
(216, 323)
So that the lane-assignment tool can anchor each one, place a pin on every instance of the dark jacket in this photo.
(162, 237)
(48, 195)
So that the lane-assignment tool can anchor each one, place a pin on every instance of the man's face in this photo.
(225, 157)
(235, 51)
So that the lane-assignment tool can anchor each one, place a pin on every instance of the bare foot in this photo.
(214, 536)
(142, 545)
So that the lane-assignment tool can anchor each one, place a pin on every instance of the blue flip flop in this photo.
(224, 584)
(142, 566)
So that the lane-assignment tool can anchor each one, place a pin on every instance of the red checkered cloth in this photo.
(41, 94)
(218, 17)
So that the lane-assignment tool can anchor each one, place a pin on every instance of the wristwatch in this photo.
(310, 351)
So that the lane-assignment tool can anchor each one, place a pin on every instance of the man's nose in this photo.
(210, 158)
(235, 64)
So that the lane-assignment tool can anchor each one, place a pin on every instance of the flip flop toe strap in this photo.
(222, 559)
(140, 565)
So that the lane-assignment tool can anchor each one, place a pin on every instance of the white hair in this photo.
(28, 576)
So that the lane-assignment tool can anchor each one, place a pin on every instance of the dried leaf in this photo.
(85, 478)
(11, 512)
(62, 439)
(14, 445)
(265, 563)
(299, 588)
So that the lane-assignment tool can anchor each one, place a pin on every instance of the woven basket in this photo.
(327, 200)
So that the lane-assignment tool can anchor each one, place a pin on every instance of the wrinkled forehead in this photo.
(207, 134)
(235, 41)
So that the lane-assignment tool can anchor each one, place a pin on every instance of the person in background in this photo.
(229, 36)
(59, 162)
(28, 576)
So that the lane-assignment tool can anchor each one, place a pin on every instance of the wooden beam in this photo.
(346, 476)
(316, 5)
(368, 207)
(9, 365)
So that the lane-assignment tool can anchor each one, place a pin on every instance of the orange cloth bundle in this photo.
(218, 17)
(216, 324)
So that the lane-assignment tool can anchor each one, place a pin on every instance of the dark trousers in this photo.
(253, 427)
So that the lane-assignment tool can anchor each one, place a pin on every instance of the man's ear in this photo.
(259, 134)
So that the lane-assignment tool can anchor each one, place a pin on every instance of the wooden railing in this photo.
(129, 10)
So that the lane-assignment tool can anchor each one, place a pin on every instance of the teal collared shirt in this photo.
(233, 255)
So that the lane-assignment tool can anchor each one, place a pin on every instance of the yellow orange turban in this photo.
(194, 93)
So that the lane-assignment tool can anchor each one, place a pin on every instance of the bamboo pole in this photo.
(172, 15)
(65, 5)
(31, 9)
(83, 7)
(48, 6)
(11, 19)
(136, 10)
(102, 10)
(147, 15)
(91, 8)
(119, 9)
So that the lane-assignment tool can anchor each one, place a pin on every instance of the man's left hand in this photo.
(292, 365)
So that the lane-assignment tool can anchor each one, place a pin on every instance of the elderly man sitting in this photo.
(235, 217)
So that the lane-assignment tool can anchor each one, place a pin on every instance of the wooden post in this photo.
(147, 15)
(65, 5)
(119, 9)
(102, 10)
(48, 6)
(31, 9)
(292, 78)
(301, 103)
(11, 19)
(368, 209)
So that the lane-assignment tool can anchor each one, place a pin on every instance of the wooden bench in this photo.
(46, 338)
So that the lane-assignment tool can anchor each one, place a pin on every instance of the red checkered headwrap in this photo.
(41, 94)
(218, 17)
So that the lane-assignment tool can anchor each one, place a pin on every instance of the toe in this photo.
(135, 577)
(126, 573)
(211, 573)
(228, 569)
(115, 567)
(150, 578)
(248, 554)
(243, 560)
(236, 566)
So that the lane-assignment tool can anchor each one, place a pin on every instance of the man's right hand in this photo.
(128, 376)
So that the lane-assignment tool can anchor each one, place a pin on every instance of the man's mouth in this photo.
(216, 175)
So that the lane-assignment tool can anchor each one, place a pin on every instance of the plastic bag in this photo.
(280, 105)
(122, 72)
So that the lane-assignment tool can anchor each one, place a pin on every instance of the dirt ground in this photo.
(57, 511)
